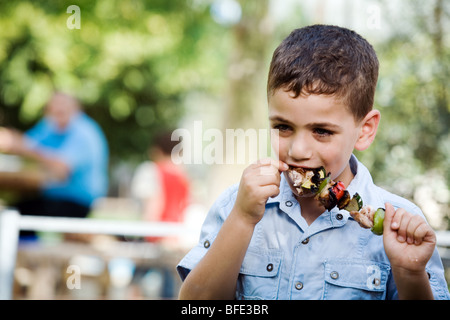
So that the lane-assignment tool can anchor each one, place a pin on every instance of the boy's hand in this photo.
(259, 181)
(409, 241)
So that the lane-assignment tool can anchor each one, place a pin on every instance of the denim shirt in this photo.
(333, 258)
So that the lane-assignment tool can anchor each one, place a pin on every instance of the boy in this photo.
(259, 241)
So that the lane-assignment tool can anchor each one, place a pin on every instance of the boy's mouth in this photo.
(318, 184)
(305, 181)
(296, 168)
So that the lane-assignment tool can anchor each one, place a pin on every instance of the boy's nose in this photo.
(300, 148)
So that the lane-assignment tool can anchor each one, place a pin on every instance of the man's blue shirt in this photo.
(333, 258)
(83, 147)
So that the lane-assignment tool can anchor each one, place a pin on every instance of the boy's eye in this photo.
(322, 132)
(281, 127)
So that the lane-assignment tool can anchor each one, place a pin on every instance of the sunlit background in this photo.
(140, 67)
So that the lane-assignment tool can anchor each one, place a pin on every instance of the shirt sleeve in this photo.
(37, 133)
(435, 271)
(217, 214)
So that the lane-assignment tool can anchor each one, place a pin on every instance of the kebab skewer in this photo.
(318, 184)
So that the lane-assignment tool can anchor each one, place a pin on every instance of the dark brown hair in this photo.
(330, 60)
(163, 141)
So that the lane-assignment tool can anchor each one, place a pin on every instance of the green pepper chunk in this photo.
(355, 203)
(323, 184)
(378, 219)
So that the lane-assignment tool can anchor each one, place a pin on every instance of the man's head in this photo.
(327, 60)
(61, 109)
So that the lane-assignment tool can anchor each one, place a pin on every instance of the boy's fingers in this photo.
(402, 221)
(283, 166)
(410, 228)
(278, 164)
(268, 179)
(266, 162)
(396, 222)
(393, 220)
(424, 233)
(267, 170)
(413, 223)
(420, 233)
(388, 215)
(271, 190)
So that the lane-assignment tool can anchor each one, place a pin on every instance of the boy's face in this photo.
(314, 131)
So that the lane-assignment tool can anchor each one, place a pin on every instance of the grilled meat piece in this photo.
(305, 182)
(364, 216)
(317, 183)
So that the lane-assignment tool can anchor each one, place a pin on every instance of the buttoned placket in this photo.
(298, 282)
(328, 220)
(289, 205)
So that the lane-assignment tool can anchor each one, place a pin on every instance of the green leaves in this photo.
(130, 63)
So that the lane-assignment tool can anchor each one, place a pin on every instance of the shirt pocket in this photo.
(259, 275)
(355, 280)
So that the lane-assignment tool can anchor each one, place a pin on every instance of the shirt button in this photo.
(376, 282)
(269, 267)
(298, 285)
(339, 216)
(288, 203)
(334, 275)
(206, 244)
(305, 241)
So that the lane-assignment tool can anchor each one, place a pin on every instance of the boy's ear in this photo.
(368, 130)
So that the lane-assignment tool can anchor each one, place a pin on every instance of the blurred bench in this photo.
(11, 222)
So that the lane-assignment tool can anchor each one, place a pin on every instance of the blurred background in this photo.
(140, 67)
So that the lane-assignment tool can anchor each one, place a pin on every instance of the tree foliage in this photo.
(131, 63)
(411, 155)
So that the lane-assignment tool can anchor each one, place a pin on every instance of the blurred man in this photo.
(72, 149)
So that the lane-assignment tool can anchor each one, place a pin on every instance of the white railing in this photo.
(11, 222)
(443, 244)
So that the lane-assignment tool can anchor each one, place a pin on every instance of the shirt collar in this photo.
(363, 184)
